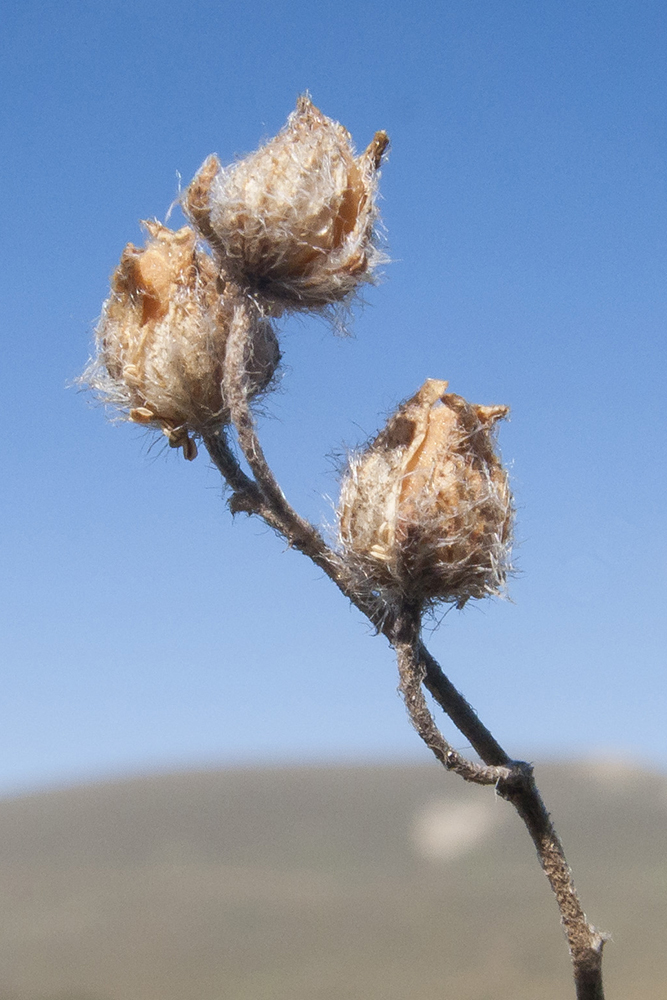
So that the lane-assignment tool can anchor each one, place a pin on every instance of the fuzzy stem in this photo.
(516, 784)
(513, 779)
(459, 711)
(585, 942)
(246, 495)
(412, 672)
(299, 533)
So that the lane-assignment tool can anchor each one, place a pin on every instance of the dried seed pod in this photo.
(426, 510)
(293, 222)
(162, 336)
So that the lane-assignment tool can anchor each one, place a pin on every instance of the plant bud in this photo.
(293, 222)
(426, 510)
(162, 336)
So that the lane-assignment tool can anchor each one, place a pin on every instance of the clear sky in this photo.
(526, 211)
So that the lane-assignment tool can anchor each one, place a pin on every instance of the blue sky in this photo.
(526, 212)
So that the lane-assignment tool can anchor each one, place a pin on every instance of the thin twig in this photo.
(411, 671)
(460, 712)
(513, 779)
(245, 494)
(300, 534)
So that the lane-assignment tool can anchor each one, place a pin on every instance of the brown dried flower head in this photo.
(426, 510)
(162, 336)
(293, 223)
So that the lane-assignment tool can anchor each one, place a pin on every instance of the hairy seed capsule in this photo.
(162, 337)
(293, 222)
(426, 510)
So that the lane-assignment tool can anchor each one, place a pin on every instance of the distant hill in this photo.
(333, 883)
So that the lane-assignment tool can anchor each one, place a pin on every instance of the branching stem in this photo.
(513, 780)
(412, 673)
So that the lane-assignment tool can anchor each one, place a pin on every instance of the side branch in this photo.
(411, 671)
(460, 712)
(275, 509)
(245, 494)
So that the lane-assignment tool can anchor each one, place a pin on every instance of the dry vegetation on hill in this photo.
(321, 884)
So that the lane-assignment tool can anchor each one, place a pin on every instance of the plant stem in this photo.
(513, 780)
(459, 711)
(516, 784)
(404, 638)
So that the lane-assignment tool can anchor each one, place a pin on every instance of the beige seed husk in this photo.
(162, 337)
(293, 223)
(426, 511)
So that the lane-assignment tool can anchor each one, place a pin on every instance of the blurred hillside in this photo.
(336, 883)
